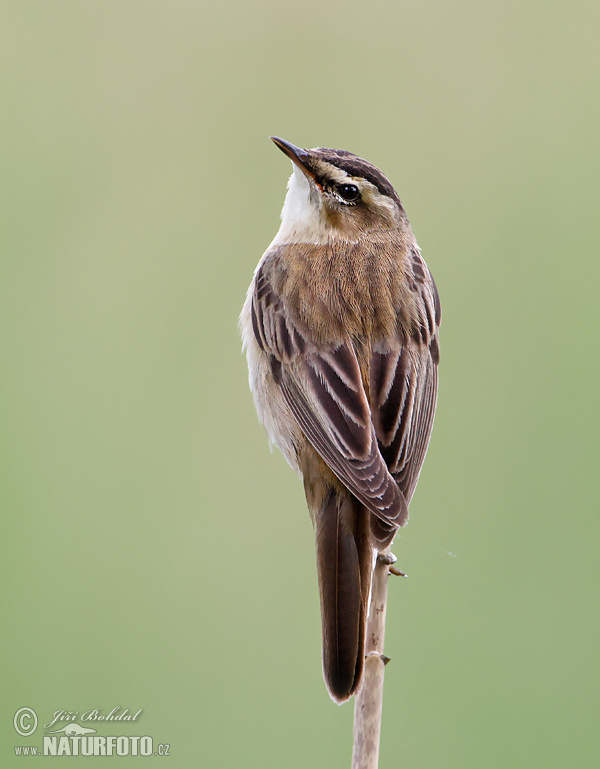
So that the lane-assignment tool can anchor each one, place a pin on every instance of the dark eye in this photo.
(348, 192)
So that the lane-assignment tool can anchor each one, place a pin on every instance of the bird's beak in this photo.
(297, 156)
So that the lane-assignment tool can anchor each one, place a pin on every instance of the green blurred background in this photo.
(155, 555)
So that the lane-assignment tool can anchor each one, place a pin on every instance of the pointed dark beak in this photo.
(297, 156)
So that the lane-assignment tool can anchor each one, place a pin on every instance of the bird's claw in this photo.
(389, 559)
(377, 655)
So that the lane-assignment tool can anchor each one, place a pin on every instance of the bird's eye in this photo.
(348, 192)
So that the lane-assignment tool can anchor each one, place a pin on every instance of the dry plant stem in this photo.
(367, 708)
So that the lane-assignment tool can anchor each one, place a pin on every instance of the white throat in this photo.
(302, 219)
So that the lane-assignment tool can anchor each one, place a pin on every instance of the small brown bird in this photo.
(340, 327)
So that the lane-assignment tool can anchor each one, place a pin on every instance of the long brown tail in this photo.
(344, 564)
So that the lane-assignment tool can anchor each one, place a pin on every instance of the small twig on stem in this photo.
(367, 708)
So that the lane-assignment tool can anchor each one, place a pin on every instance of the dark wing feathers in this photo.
(404, 417)
(335, 384)
(375, 446)
(334, 436)
(403, 385)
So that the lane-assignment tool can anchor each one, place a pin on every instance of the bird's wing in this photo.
(323, 389)
(403, 386)
(403, 398)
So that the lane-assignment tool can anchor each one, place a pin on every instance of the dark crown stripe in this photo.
(356, 166)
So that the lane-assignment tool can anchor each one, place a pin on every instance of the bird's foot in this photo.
(377, 655)
(389, 559)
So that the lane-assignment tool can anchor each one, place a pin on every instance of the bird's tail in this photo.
(344, 565)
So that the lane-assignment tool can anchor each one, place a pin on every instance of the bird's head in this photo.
(335, 195)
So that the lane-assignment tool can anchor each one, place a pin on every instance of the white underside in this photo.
(280, 425)
(302, 221)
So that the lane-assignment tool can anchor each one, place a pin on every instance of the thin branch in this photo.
(368, 705)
